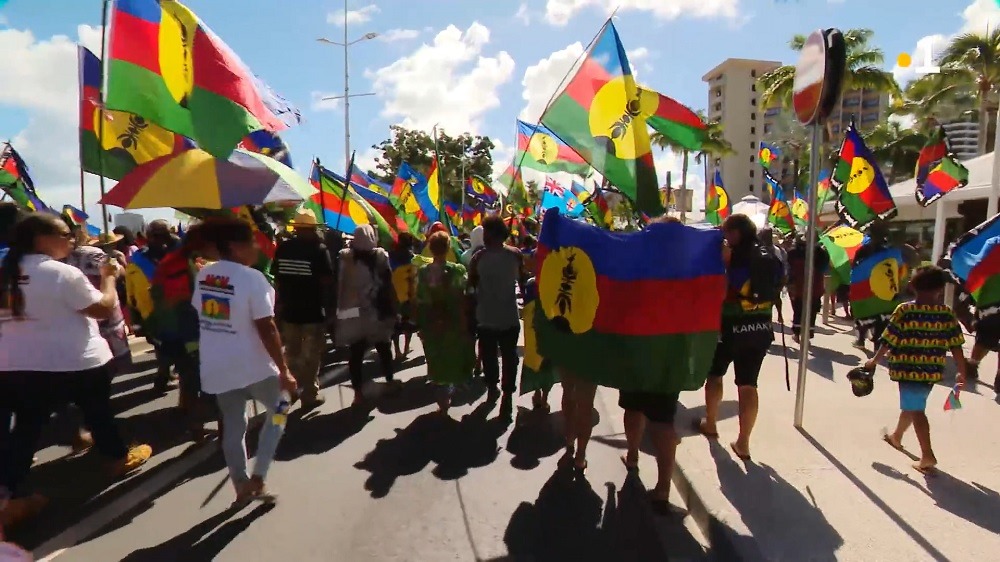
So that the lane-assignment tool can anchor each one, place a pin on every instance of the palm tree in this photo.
(714, 145)
(863, 71)
(974, 58)
(933, 98)
(895, 148)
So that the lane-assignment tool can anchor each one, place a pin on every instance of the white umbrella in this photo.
(754, 208)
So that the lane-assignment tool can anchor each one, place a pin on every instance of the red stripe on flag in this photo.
(135, 40)
(860, 291)
(682, 306)
(984, 270)
(587, 81)
(88, 106)
(217, 70)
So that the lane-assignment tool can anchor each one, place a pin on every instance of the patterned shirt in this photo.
(919, 337)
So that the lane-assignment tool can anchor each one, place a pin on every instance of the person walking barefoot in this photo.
(917, 339)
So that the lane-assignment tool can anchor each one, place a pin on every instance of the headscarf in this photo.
(437, 227)
(364, 238)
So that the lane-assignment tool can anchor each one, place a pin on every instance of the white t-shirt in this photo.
(229, 297)
(53, 335)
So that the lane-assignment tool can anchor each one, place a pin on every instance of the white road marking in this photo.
(96, 521)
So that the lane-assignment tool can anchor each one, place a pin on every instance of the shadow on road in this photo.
(570, 521)
(973, 502)
(536, 435)
(769, 506)
(204, 541)
(315, 435)
(455, 446)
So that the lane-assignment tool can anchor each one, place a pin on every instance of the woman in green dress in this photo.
(441, 318)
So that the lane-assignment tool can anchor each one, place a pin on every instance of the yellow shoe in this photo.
(136, 457)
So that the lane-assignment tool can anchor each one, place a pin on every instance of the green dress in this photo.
(448, 346)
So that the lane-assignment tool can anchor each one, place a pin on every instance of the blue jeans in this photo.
(233, 406)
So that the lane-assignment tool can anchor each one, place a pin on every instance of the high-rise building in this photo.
(868, 108)
(733, 100)
(963, 137)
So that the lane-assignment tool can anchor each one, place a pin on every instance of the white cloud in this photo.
(523, 15)
(317, 103)
(981, 15)
(542, 79)
(502, 156)
(394, 35)
(448, 82)
(361, 15)
(559, 12)
(44, 86)
(978, 17)
(365, 160)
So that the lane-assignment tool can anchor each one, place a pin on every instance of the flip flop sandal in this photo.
(741, 456)
(885, 437)
(696, 425)
(926, 471)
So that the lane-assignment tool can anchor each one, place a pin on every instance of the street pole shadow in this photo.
(932, 552)
(774, 510)
(974, 502)
(205, 541)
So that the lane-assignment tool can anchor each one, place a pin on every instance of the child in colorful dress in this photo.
(917, 341)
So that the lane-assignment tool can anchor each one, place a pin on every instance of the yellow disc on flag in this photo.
(567, 289)
(357, 213)
(846, 237)
(178, 26)
(780, 209)
(862, 175)
(543, 148)
(884, 279)
(723, 198)
(765, 154)
(613, 114)
(801, 208)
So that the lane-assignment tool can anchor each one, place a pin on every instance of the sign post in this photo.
(819, 75)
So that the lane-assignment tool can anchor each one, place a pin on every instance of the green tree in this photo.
(973, 59)
(714, 146)
(944, 97)
(895, 148)
(418, 148)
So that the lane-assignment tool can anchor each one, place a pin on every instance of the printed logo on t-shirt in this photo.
(214, 307)
(216, 284)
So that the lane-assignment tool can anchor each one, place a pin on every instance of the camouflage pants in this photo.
(304, 345)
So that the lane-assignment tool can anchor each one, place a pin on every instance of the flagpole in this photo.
(100, 121)
(83, 202)
(345, 204)
(322, 192)
(461, 186)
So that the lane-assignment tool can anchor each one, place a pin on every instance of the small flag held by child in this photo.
(953, 403)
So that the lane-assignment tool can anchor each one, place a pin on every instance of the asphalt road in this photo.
(391, 482)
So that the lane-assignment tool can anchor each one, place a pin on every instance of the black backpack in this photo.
(766, 272)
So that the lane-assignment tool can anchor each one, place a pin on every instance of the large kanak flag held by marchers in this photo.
(613, 310)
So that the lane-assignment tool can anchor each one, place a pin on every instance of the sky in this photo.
(464, 65)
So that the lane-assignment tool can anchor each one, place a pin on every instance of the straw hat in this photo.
(304, 219)
(105, 239)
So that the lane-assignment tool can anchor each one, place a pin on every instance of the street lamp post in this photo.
(347, 90)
